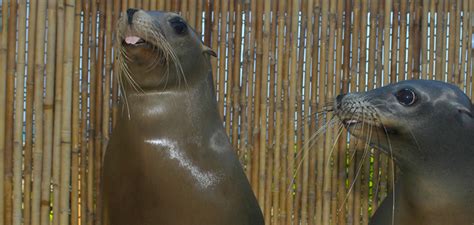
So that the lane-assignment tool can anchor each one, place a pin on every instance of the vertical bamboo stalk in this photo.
(424, 39)
(256, 99)
(307, 118)
(39, 122)
(432, 53)
(440, 36)
(469, 46)
(466, 39)
(3, 78)
(244, 131)
(338, 186)
(215, 45)
(251, 87)
(403, 40)
(454, 23)
(380, 44)
(444, 37)
(412, 40)
(229, 71)
(66, 113)
(292, 103)
(99, 143)
(29, 116)
(199, 12)
(270, 179)
(285, 177)
(93, 120)
(10, 76)
(328, 192)
(75, 138)
(303, 21)
(363, 47)
(115, 66)
(386, 40)
(277, 201)
(372, 42)
(222, 58)
(342, 192)
(236, 75)
(395, 39)
(84, 111)
(19, 111)
(58, 105)
(321, 206)
(192, 13)
(263, 104)
(48, 115)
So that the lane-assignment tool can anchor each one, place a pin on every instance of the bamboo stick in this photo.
(29, 117)
(3, 78)
(372, 43)
(38, 106)
(469, 46)
(244, 133)
(270, 179)
(252, 155)
(115, 66)
(453, 61)
(208, 23)
(66, 113)
(75, 139)
(386, 38)
(380, 45)
(292, 103)
(10, 76)
(49, 117)
(321, 207)
(395, 39)
(444, 37)
(440, 26)
(330, 176)
(432, 53)
(307, 118)
(58, 105)
(364, 85)
(192, 12)
(84, 111)
(236, 75)
(403, 40)
(412, 40)
(424, 39)
(228, 78)
(19, 111)
(342, 192)
(222, 57)
(93, 120)
(278, 212)
(256, 115)
(297, 177)
(466, 36)
(338, 180)
(99, 144)
(213, 38)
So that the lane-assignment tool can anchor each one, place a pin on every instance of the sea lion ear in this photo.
(464, 110)
(208, 51)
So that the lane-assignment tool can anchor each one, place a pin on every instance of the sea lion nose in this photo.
(339, 100)
(130, 13)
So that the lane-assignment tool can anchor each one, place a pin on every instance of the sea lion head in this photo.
(415, 121)
(158, 50)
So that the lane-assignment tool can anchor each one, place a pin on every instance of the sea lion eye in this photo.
(178, 25)
(406, 97)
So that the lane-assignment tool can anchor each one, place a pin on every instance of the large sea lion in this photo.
(428, 128)
(169, 160)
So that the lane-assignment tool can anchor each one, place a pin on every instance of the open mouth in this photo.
(134, 41)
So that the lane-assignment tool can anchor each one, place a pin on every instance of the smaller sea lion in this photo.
(169, 160)
(428, 128)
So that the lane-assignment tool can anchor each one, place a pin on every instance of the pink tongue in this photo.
(132, 39)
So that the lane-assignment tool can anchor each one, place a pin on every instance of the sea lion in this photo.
(169, 160)
(428, 128)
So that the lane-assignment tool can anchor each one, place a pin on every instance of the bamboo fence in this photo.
(279, 64)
